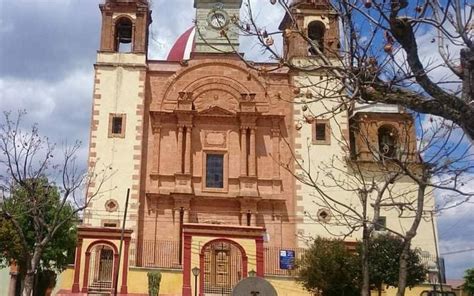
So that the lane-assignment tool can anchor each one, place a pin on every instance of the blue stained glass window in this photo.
(215, 171)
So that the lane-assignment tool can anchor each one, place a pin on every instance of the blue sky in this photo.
(47, 52)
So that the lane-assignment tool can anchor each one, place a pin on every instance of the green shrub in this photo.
(154, 279)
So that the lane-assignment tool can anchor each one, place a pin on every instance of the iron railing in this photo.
(272, 261)
(165, 254)
(157, 254)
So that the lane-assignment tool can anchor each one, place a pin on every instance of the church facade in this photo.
(202, 153)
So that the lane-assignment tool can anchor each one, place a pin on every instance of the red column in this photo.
(77, 266)
(86, 272)
(187, 266)
(123, 288)
(260, 257)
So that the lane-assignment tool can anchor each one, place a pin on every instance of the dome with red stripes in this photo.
(183, 46)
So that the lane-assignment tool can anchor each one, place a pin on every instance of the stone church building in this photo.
(208, 147)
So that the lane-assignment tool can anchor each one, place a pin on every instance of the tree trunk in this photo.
(402, 275)
(28, 283)
(365, 290)
(32, 265)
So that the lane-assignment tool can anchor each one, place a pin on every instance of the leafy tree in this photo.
(384, 255)
(469, 281)
(328, 267)
(58, 253)
(41, 199)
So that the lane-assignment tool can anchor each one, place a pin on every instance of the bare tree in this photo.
(379, 56)
(28, 164)
(397, 177)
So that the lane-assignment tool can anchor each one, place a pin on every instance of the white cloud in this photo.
(456, 233)
(45, 100)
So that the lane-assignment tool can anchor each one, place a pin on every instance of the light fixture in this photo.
(196, 271)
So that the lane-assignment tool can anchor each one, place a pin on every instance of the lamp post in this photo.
(195, 271)
(252, 273)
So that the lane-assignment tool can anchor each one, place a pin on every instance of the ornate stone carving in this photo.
(111, 205)
(215, 139)
(185, 96)
(185, 100)
(219, 98)
(247, 103)
(247, 97)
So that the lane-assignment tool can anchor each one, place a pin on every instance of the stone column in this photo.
(134, 38)
(156, 149)
(253, 220)
(243, 151)
(252, 154)
(187, 152)
(276, 153)
(180, 149)
(187, 215)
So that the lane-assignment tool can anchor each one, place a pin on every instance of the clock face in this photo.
(217, 19)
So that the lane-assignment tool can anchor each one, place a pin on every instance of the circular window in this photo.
(324, 215)
(111, 205)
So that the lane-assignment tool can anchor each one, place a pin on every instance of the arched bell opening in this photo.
(316, 31)
(123, 35)
(388, 140)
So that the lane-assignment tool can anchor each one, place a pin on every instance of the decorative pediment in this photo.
(216, 111)
(215, 97)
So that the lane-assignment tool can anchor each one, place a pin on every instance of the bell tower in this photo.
(117, 123)
(125, 26)
(310, 35)
(216, 31)
(314, 31)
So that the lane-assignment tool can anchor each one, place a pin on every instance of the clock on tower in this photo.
(213, 17)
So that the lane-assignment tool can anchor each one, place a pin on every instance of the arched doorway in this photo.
(223, 265)
(101, 269)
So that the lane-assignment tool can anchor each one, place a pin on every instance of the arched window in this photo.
(387, 136)
(316, 30)
(123, 35)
